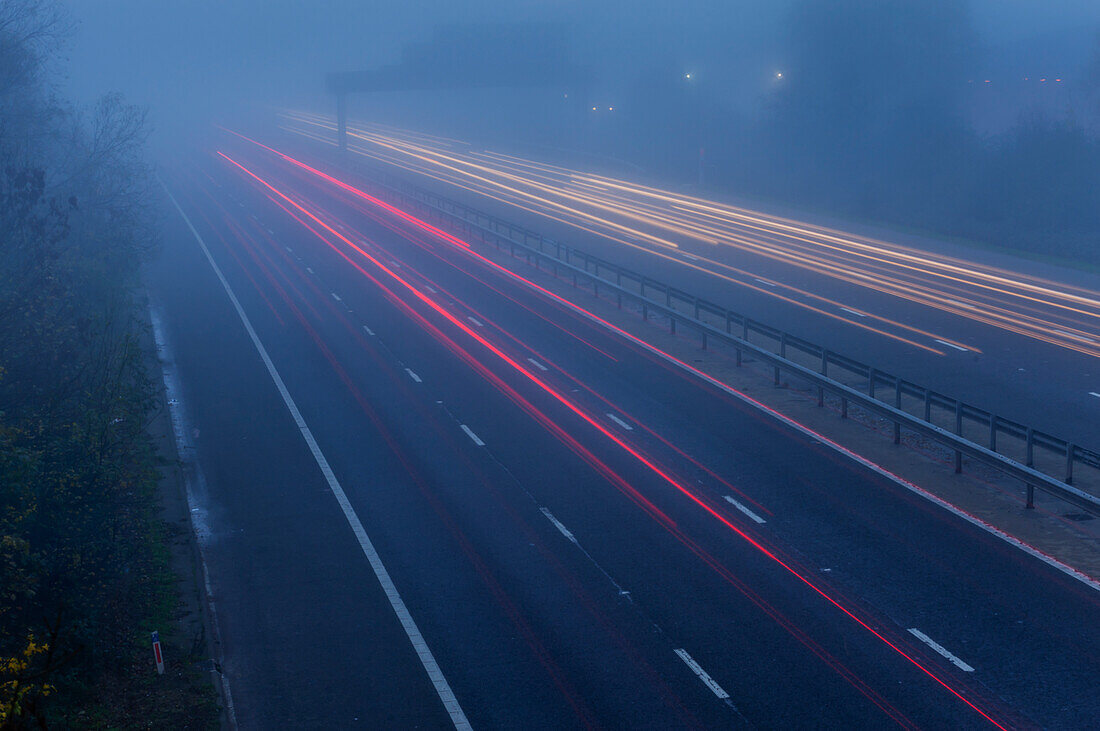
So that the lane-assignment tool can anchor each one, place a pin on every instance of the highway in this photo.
(433, 495)
(1016, 337)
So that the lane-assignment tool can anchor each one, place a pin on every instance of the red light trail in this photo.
(564, 400)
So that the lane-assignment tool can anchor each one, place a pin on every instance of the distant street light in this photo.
(779, 74)
(687, 76)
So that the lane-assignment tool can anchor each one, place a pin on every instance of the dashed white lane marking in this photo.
(430, 289)
(1093, 393)
(765, 281)
(940, 649)
(269, 230)
(289, 250)
(1075, 336)
(367, 330)
(620, 422)
(476, 321)
(412, 375)
(470, 433)
(309, 269)
(423, 652)
(690, 256)
(707, 680)
(854, 312)
(541, 367)
(744, 510)
(1054, 563)
(952, 345)
(336, 297)
(557, 524)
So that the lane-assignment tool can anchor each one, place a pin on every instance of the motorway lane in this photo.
(980, 602)
(1017, 377)
(308, 639)
(715, 608)
(450, 567)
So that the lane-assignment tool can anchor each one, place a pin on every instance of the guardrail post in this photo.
(824, 372)
(703, 333)
(993, 432)
(1030, 447)
(871, 382)
(668, 296)
(843, 407)
(645, 312)
(738, 357)
(959, 431)
(777, 376)
(729, 322)
(696, 308)
(927, 405)
(1030, 497)
(672, 324)
(1069, 463)
(783, 345)
(641, 286)
(897, 405)
(745, 329)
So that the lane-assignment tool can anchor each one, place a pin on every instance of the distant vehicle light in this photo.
(687, 76)
(593, 109)
(779, 74)
(611, 109)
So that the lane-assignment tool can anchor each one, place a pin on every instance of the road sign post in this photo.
(157, 655)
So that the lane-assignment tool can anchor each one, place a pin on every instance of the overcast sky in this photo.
(157, 51)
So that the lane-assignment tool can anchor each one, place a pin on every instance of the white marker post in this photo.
(157, 653)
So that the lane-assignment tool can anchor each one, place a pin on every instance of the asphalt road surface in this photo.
(431, 495)
(1017, 337)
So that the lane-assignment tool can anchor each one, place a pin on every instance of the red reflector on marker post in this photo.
(157, 653)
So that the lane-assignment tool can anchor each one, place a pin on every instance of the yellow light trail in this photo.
(622, 211)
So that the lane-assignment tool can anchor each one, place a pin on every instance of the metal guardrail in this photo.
(1036, 445)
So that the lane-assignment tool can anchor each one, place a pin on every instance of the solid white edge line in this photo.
(744, 509)
(413, 375)
(952, 345)
(702, 674)
(336, 297)
(420, 646)
(854, 312)
(558, 524)
(540, 366)
(844, 451)
(619, 421)
(474, 437)
(368, 330)
(941, 650)
(1093, 393)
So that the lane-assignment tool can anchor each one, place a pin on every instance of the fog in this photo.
(939, 116)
